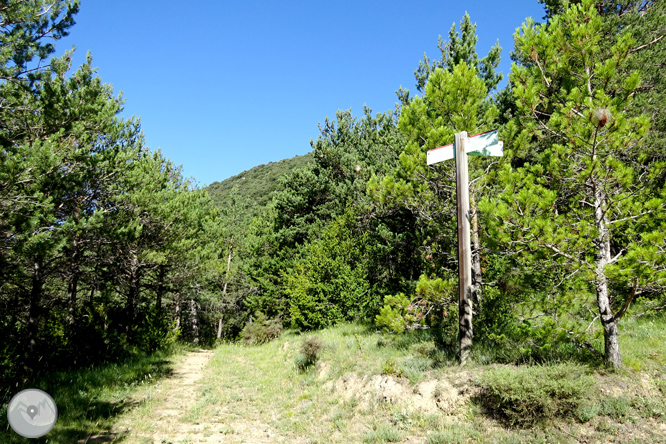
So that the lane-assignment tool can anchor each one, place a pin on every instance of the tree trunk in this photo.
(612, 355)
(178, 314)
(195, 321)
(476, 257)
(133, 293)
(33, 311)
(72, 288)
(226, 282)
(91, 299)
(160, 287)
(72, 284)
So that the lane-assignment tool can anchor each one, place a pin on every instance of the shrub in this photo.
(329, 284)
(309, 353)
(392, 316)
(382, 434)
(431, 303)
(390, 368)
(261, 330)
(524, 396)
(615, 408)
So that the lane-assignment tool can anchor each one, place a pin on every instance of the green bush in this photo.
(392, 316)
(329, 284)
(526, 395)
(390, 368)
(615, 408)
(156, 330)
(309, 353)
(382, 434)
(261, 330)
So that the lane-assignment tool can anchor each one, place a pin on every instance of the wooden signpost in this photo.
(485, 144)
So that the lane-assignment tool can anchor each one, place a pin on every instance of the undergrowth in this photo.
(524, 396)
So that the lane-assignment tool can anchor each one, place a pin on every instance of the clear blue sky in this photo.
(223, 86)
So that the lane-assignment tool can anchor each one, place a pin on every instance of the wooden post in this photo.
(464, 249)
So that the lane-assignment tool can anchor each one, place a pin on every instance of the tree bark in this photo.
(226, 282)
(195, 321)
(178, 314)
(160, 287)
(36, 291)
(477, 297)
(72, 284)
(133, 293)
(612, 355)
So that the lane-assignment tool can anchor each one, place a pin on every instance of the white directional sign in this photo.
(484, 144)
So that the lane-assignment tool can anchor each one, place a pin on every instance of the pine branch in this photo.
(647, 44)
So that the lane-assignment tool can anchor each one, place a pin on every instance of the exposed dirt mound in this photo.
(429, 396)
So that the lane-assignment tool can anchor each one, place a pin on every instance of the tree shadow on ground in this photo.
(89, 400)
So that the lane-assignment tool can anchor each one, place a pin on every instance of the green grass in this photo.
(90, 400)
(643, 344)
(306, 405)
(381, 434)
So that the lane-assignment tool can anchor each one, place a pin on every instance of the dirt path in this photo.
(181, 396)
(169, 415)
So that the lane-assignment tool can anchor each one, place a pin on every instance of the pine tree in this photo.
(583, 199)
(461, 48)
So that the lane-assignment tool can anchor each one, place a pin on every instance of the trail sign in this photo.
(484, 144)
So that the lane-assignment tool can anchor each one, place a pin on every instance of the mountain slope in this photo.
(256, 185)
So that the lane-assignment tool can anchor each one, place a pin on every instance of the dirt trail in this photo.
(165, 420)
(169, 413)
(179, 395)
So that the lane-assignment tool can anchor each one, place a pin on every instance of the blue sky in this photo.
(224, 86)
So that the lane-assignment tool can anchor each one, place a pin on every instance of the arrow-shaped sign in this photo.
(484, 144)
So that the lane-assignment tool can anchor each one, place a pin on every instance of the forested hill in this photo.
(257, 184)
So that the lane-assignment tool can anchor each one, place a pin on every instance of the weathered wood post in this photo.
(465, 331)
(484, 144)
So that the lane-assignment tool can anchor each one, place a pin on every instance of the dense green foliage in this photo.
(330, 283)
(256, 185)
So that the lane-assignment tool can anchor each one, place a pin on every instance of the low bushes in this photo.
(524, 396)
(309, 353)
(261, 330)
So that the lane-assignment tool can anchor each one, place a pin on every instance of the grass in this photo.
(90, 400)
(265, 387)
(363, 386)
